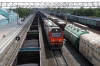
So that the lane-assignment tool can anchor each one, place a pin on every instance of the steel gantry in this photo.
(50, 4)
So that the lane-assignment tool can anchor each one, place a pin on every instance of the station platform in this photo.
(4, 30)
(8, 44)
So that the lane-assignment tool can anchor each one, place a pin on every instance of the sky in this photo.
(49, 1)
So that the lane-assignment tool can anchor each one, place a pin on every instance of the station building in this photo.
(10, 16)
(3, 20)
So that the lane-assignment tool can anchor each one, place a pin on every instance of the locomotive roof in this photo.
(55, 27)
(50, 23)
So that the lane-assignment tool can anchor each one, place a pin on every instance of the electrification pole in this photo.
(17, 15)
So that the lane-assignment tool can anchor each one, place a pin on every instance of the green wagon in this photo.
(72, 34)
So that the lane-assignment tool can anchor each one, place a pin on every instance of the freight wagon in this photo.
(88, 44)
(92, 22)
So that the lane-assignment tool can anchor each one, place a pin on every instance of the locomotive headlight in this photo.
(52, 40)
(56, 30)
(60, 40)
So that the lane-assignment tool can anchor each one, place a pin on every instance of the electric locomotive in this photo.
(54, 34)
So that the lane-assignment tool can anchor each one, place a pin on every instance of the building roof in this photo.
(2, 17)
(5, 10)
(8, 10)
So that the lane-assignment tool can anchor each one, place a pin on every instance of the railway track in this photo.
(94, 31)
(59, 58)
(88, 28)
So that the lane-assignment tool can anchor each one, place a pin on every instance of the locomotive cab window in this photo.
(56, 32)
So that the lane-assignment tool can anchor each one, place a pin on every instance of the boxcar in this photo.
(89, 46)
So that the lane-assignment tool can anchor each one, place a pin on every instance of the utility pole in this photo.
(17, 14)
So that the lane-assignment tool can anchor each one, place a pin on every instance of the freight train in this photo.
(87, 43)
(60, 15)
(54, 34)
(92, 22)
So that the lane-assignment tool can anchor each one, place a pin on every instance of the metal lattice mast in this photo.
(51, 4)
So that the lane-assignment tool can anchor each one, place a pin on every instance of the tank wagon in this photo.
(73, 34)
(92, 22)
(54, 34)
(88, 44)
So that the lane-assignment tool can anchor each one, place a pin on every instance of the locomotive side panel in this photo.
(47, 30)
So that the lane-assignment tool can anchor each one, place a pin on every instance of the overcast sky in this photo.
(49, 0)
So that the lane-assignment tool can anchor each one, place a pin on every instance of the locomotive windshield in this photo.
(56, 30)
(56, 34)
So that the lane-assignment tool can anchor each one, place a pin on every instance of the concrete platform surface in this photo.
(4, 30)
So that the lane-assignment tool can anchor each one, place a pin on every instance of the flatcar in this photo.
(87, 43)
(54, 34)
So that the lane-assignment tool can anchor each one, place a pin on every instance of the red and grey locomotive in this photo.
(54, 34)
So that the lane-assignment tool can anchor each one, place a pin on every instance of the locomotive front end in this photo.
(56, 37)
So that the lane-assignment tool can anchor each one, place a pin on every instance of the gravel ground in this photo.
(44, 61)
(49, 58)
(73, 56)
(30, 64)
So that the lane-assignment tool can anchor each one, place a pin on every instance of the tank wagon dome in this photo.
(75, 30)
(89, 46)
(73, 33)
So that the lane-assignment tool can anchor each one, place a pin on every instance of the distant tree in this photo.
(78, 11)
(89, 12)
(23, 11)
(97, 12)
